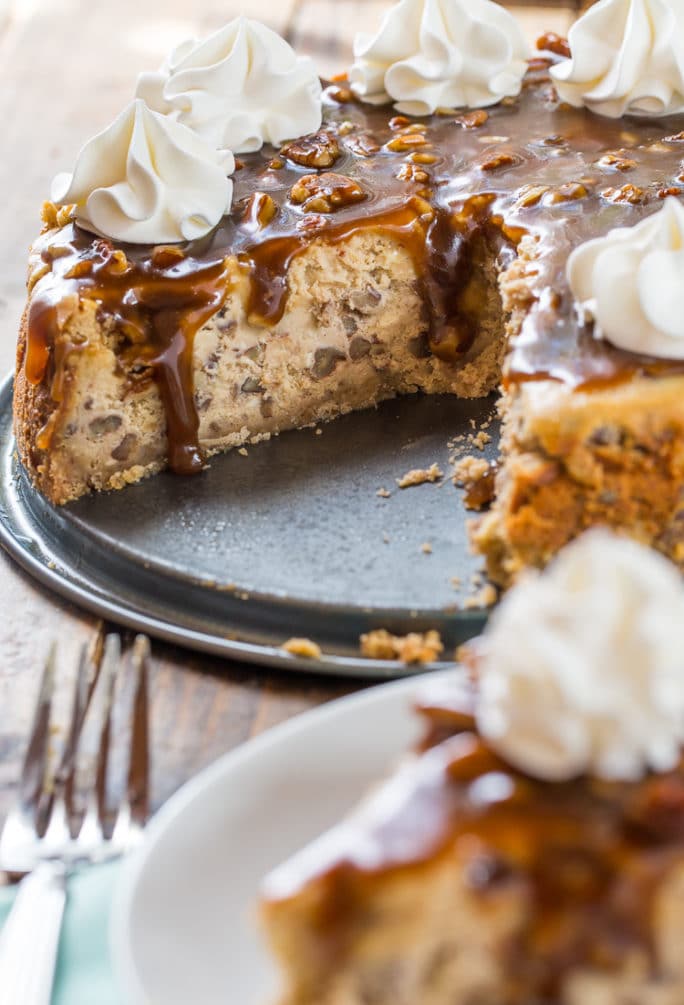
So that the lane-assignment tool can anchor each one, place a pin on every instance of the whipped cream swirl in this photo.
(238, 89)
(582, 668)
(631, 283)
(147, 180)
(431, 54)
(627, 58)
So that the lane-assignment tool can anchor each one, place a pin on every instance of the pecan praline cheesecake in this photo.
(415, 238)
(531, 851)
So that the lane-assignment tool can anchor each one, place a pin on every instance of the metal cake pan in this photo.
(290, 540)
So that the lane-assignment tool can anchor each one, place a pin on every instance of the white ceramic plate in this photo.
(184, 928)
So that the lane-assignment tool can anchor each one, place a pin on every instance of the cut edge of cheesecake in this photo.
(352, 334)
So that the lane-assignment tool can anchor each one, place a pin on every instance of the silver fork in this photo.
(36, 839)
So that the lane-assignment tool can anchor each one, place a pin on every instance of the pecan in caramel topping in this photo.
(326, 192)
(319, 150)
(569, 192)
(259, 211)
(473, 120)
(632, 194)
(363, 145)
(398, 122)
(166, 255)
(550, 41)
(531, 195)
(55, 217)
(411, 172)
(617, 161)
(498, 159)
(406, 142)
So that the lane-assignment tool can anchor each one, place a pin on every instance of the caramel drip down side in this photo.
(156, 306)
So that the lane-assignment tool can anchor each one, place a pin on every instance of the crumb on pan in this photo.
(305, 648)
(416, 647)
(484, 597)
(419, 476)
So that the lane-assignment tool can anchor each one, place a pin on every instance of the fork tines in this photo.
(46, 797)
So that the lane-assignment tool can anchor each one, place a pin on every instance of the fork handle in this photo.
(30, 937)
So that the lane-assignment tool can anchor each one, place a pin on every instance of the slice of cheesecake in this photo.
(531, 850)
(462, 881)
(382, 255)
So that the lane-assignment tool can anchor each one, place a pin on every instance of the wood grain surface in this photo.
(67, 67)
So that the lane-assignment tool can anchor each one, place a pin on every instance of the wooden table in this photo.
(67, 67)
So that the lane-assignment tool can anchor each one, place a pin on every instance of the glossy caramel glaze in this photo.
(585, 857)
(438, 185)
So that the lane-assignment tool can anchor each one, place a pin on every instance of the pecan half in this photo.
(628, 193)
(325, 193)
(319, 150)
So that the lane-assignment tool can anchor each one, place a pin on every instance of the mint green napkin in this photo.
(84, 973)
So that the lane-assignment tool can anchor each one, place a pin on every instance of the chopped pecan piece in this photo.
(406, 142)
(618, 162)
(498, 159)
(363, 145)
(628, 193)
(319, 150)
(473, 120)
(550, 41)
(570, 191)
(411, 172)
(259, 211)
(531, 195)
(165, 255)
(324, 193)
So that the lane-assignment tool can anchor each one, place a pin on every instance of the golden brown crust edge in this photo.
(32, 407)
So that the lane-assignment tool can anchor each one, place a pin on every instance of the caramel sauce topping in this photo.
(452, 189)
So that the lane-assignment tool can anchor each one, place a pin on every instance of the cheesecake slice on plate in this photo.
(532, 849)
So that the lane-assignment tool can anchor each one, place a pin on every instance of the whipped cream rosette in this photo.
(238, 89)
(627, 58)
(431, 54)
(147, 179)
(630, 282)
(582, 666)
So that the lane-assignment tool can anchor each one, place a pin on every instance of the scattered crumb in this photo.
(456, 582)
(243, 451)
(319, 432)
(481, 439)
(416, 647)
(418, 476)
(477, 476)
(426, 548)
(485, 597)
(470, 469)
(243, 596)
(303, 647)
(383, 493)
(385, 537)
